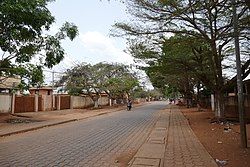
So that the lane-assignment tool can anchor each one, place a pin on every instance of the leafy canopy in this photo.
(25, 45)
(206, 20)
(113, 79)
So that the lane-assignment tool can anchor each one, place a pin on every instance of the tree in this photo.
(24, 43)
(140, 93)
(113, 79)
(209, 21)
(116, 79)
(176, 66)
(248, 3)
(155, 94)
(82, 79)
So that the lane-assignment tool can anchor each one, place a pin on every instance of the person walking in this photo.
(129, 105)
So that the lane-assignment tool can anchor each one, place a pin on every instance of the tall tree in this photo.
(210, 21)
(82, 79)
(178, 64)
(25, 45)
(114, 79)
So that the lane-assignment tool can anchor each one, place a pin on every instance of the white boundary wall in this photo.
(5, 103)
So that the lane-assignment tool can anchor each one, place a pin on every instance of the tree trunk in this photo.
(219, 105)
(198, 100)
(110, 102)
(111, 99)
(95, 100)
(219, 83)
(96, 105)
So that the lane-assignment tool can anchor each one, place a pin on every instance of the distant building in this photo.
(246, 84)
(231, 102)
(246, 89)
(8, 84)
(46, 90)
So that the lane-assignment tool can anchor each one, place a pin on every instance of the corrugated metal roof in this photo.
(9, 83)
(41, 88)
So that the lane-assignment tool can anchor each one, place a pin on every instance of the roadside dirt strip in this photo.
(172, 143)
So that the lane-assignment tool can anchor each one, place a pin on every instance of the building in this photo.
(231, 102)
(46, 90)
(7, 84)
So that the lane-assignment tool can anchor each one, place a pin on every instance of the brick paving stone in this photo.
(183, 148)
(146, 161)
(98, 141)
(93, 142)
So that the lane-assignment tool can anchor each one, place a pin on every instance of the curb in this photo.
(35, 128)
(54, 124)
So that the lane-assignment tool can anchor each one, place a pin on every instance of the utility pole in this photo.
(53, 97)
(239, 79)
(53, 80)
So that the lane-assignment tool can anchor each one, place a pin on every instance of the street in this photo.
(96, 141)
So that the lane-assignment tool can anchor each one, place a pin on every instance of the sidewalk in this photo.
(172, 143)
(35, 120)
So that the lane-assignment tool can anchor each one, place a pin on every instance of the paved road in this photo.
(93, 142)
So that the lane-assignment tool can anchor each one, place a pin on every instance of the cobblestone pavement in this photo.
(172, 143)
(93, 142)
(37, 120)
(183, 149)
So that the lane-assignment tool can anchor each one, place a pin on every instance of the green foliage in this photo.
(200, 49)
(206, 23)
(22, 39)
(155, 93)
(177, 64)
(68, 30)
(79, 78)
(170, 91)
(114, 79)
(140, 93)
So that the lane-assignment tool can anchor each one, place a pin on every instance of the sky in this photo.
(94, 19)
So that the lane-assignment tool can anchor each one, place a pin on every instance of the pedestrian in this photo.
(129, 105)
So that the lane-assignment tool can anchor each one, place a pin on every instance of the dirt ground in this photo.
(5, 117)
(222, 141)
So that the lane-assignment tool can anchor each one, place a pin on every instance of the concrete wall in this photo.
(139, 100)
(5, 103)
(103, 101)
(45, 103)
(231, 106)
(85, 101)
(88, 102)
(77, 101)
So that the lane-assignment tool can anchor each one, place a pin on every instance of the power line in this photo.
(54, 71)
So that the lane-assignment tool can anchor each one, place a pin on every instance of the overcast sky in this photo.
(94, 19)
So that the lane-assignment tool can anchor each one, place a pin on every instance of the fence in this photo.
(81, 102)
(231, 106)
(34, 103)
(64, 102)
(24, 103)
(5, 103)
